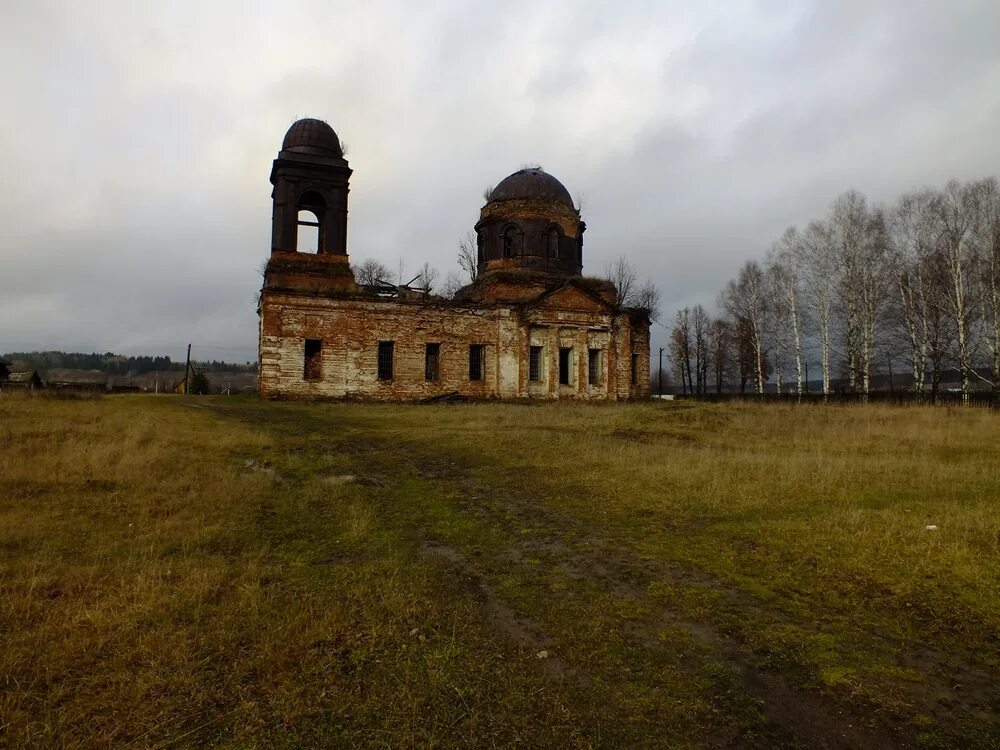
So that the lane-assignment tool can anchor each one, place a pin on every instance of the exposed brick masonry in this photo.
(528, 293)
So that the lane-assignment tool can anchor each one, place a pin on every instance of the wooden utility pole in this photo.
(187, 372)
(659, 375)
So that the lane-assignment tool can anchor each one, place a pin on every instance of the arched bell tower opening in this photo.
(309, 237)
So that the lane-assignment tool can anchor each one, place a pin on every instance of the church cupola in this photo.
(529, 221)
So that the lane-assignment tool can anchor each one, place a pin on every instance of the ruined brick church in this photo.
(529, 326)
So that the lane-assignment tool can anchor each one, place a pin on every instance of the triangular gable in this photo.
(571, 297)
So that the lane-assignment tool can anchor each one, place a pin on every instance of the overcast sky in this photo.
(136, 138)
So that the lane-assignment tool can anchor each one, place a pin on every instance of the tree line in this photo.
(113, 364)
(864, 291)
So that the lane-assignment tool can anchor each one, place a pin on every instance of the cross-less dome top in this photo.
(311, 136)
(533, 182)
(529, 223)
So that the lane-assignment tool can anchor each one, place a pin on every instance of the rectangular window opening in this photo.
(385, 360)
(535, 364)
(594, 366)
(565, 357)
(477, 357)
(312, 368)
(432, 359)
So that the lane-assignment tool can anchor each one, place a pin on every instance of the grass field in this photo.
(187, 572)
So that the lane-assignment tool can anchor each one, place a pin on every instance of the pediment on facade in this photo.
(572, 297)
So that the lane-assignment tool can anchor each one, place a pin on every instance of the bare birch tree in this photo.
(721, 343)
(785, 268)
(820, 276)
(940, 330)
(848, 220)
(875, 288)
(987, 239)
(862, 243)
(912, 250)
(745, 300)
(778, 340)
(956, 215)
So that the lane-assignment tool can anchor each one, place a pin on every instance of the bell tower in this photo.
(309, 212)
(310, 178)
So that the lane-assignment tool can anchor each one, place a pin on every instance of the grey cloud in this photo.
(136, 142)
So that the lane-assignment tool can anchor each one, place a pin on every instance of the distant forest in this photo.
(113, 364)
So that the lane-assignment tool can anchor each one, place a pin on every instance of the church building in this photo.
(529, 326)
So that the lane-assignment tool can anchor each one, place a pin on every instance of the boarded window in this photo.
(385, 360)
(535, 363)
(312, 368)
(477, 357)
(594, 366)
(635, 369)
(565, 359)
(432, 359)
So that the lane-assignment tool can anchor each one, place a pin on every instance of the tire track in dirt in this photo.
(952, 690)
(799, 717)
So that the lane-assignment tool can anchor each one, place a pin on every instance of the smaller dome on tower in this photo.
(311, 136)
(533, 182)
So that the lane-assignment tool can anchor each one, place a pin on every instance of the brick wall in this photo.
(350, 329)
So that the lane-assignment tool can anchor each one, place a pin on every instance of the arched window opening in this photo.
(509, 242)
(308, 236)
(553, 240)
(480, 242)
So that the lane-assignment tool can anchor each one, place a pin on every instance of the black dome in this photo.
(533, 182)
(312, 136)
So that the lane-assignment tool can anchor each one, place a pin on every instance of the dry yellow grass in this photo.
(220, 571)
